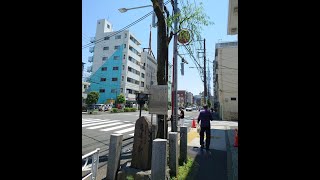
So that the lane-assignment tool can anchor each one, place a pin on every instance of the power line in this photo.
(117, 32)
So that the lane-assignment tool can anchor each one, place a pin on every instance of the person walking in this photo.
(205, 117)
(181, 117)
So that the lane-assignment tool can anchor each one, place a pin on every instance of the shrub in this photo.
(133, 109)
(127, 109)
(114, 110)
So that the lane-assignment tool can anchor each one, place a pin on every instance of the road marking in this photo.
(117, 127)
(93, 124)
(105, 125)
(125, 130)
(127, 121)
(132, 134)
(86, 122)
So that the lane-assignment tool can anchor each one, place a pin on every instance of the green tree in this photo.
(92, 98)
(191, 17)
(121, 99)
(208, 103)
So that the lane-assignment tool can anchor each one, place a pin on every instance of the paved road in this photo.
(96, 131)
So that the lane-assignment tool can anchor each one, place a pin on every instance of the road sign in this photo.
(158, 99)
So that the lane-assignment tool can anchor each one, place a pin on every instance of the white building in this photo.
(117, 65)
(85, 87)
(226, 80)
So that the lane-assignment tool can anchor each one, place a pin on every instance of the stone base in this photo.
(137, 174)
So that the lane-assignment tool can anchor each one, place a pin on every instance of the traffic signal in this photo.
(182, 68)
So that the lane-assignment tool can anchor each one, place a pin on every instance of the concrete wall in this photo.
(227, 82)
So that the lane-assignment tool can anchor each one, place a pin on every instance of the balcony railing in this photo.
(90, 59)
(89, 69)
(92, 39)
(227, 44)
(91, 49)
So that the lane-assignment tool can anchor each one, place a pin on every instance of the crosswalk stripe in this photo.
(124, 130)
(117, 127)
(132, 134)
(105, 125)
(86, 122)
(93, 124)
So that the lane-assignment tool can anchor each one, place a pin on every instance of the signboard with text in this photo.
(158, 99)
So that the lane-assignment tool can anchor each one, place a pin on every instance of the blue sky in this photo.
(217, 10)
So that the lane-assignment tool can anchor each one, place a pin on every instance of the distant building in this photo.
(226, 80)
(181, 98)
(119, 65)
(85, 87)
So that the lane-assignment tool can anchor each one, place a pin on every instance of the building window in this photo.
(114, 79)
(125, 35)
(142, 84)
(103, 68)
(122, 78)
(122, 67)
(106, 38)
(103, 79)
(116, 47)
(113, 90)
(142, 75)
(115, 68)
(108, 26)
(84, 86)
(129, 91)
(106, 48)
(124, 56)
(104, 58)
(102, 90)
(233, 99)
(118, 37)
(121, 90)
(115, 57)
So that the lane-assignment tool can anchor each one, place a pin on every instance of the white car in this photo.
(189, 109)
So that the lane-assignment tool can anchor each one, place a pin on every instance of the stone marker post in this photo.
(173, 153)
(159, 159)
(114, 155)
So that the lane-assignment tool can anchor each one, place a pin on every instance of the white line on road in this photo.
(93, 124)
(105, 125)
(132, 134)
(117, 127)
(125, 130)
(86, 122)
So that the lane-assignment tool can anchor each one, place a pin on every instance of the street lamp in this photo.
(123, 10)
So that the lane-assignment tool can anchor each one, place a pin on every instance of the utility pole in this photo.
(175, 72)
(204, 74)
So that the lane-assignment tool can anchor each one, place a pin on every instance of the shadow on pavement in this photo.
(208, 164)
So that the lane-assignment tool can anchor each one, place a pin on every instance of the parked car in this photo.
(189, 109)
(99, 106)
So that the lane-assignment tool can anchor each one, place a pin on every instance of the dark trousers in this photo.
(208, 136)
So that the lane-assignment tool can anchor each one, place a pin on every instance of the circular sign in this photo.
(184, 36)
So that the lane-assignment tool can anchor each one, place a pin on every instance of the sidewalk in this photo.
(221, 160)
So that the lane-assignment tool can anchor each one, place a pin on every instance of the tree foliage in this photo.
(121, 99)
(92, 98)
(191, 17)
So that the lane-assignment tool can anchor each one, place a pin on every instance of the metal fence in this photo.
(94, 164)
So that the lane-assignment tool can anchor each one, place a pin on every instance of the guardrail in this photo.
(94, 164)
